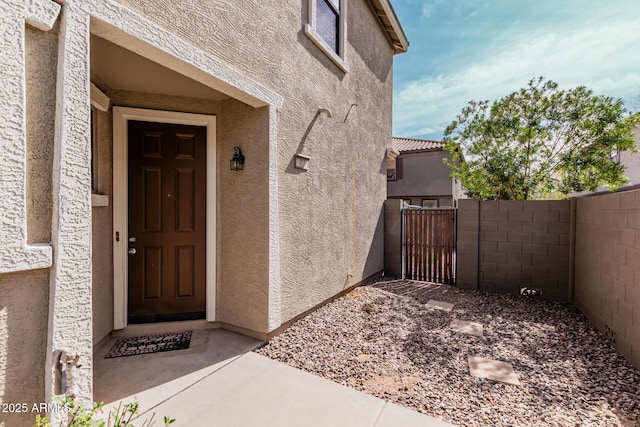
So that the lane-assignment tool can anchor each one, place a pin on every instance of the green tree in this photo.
(539, 142)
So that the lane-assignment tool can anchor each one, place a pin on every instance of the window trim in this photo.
(310, 30)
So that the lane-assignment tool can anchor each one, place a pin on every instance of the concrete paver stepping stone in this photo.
(493, 370)
(440, 305)
(363, 358)
(466, 327)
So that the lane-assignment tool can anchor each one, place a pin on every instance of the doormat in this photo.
(145, 344)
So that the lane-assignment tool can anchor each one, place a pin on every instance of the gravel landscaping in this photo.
(382, 339)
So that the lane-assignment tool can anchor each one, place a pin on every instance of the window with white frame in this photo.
(327, 27)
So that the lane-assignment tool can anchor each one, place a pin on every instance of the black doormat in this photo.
(145, 344)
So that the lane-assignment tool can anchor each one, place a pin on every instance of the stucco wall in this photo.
(23, 336)
(102, 237)
(41, 56)
(607, 266)
(24, 297)
(423, 174)
(330, 216)
(243, 217)
(631, 160)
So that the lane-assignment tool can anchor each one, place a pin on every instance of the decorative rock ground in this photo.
(402, 351)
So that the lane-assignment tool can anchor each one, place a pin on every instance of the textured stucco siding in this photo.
(23, 335)
(330, 216)
(243, 217)
(329, 219)
(41, 56)
(423, 174)
(69, 338)
(607, 266)
(24, 297)
(631, 160)
(102, 236)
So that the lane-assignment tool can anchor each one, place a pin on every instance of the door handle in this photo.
(132, 251)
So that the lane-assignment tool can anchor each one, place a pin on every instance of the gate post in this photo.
(393, 238)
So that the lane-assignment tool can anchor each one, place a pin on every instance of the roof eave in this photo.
(391, 24)
(422, 150)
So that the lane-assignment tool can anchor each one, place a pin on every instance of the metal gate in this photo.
(429, 245)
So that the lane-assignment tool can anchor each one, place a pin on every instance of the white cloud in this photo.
(603, 58)
(429, 8)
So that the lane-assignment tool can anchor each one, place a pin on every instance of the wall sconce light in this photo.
(302, 161)
(237, 161)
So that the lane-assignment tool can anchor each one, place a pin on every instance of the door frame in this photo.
(121, 117)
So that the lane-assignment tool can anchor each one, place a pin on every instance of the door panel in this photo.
(167, 219)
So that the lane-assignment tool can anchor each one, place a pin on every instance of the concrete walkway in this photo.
(239, 389)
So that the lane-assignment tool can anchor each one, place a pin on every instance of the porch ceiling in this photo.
(118, 68)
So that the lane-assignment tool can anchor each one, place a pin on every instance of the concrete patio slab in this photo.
(396, 416)
(218, 381)
(440, 305)
(255, 390)
(493, 370)
(466, 327)
(154, 378)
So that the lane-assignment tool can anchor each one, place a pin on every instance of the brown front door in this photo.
(167, 218)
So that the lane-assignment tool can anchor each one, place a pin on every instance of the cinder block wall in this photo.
(607, 267)
(467, 256)
(506, 245)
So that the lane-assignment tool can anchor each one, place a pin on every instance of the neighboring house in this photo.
(119, 202)
(631, 162)
(419, 177)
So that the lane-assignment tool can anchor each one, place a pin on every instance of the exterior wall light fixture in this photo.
(302, 161)
(237, 161)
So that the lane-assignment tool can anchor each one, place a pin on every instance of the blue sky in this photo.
(485, 49)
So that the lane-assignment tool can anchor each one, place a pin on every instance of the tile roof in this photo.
(405, 145)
